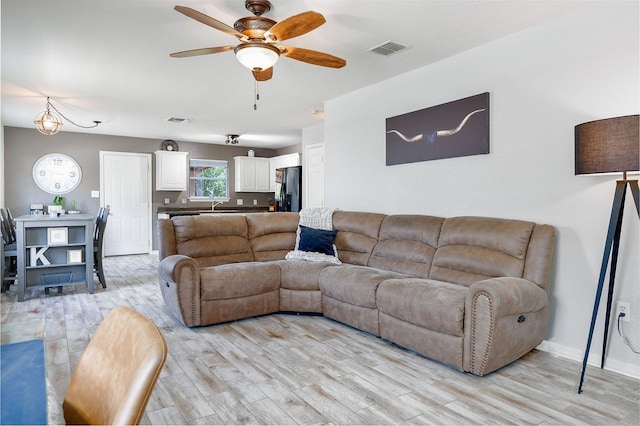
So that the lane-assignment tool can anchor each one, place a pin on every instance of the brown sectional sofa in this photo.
(471, 292)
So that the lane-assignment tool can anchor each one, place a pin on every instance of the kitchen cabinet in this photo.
(53, 252)
(288, 160)
(171, 171)
(252, 174)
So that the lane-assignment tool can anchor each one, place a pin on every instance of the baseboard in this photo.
(631, 370)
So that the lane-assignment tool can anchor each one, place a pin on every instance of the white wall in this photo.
(542, 82)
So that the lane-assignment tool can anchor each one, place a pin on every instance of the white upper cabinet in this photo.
(288, 160)
(171, 171)
(251, 174)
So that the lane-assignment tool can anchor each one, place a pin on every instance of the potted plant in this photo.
(56, 208)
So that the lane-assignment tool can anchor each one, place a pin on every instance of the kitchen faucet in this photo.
(215, 203)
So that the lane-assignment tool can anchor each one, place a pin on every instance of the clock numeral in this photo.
(57, 162)
(57, 185)
(72, 173)
(42, 173)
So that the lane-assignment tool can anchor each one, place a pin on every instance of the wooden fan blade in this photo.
(263, 75)
(295, 26)
(312, 57)
(203, 51)
(208, 20)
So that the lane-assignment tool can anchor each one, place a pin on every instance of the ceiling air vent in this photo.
(387, 48)
(178, 120)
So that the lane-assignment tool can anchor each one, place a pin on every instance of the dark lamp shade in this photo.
(608, 146)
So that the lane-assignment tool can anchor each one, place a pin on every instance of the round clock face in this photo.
(57, 173)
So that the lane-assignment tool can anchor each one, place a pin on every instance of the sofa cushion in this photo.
(472, 249)
(407, 244)
(238, 280)
(430, 304)
(300, 275)
(353, 284)
(213, 239)
(272, 236)
(357, 235)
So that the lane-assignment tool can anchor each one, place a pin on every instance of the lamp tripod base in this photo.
(611, 248)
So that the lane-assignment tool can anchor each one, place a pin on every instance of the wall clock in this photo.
(169, 145)
(57, 173)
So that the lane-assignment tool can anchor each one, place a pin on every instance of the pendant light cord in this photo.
(49, 104)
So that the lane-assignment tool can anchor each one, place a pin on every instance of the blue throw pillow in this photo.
(317, 240)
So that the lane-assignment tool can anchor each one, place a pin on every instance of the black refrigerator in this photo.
(289, 189)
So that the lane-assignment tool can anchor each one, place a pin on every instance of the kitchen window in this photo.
(208, 180)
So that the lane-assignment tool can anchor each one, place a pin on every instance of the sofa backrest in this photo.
(407, 244)
(460, 250)
(212, 239)
(476, 248)
(357, 235)
(271, 235)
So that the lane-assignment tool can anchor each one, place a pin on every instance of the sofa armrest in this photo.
(504, 319)
(179, 278)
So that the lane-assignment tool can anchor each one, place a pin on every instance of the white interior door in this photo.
(314, 166)
(125, 187)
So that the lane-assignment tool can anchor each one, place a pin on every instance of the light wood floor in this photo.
(288, 369)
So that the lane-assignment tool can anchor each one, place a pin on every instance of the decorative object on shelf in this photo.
(464, 130)
(57, 236)
(74, 256)
(169, 145)
(36, 209)
(232, 139)
(57, 173)
(49, 123)
(251, 153)
(609, 146)
(58, 200)
(73, 208)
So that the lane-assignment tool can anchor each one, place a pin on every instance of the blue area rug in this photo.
(23, 390)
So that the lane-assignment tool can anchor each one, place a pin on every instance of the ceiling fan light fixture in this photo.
(257, 56)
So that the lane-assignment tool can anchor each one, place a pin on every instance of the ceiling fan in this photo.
(259, 37)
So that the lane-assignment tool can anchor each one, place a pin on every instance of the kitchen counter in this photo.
(169, 212)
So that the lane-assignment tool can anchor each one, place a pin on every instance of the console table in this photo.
(54, 251)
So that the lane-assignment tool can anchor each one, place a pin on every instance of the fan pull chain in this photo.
(257, 95)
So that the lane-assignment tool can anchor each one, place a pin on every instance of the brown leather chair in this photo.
(117, 371)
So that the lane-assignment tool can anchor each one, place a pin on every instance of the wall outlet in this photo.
(239, 201)
(255, 202)
(184, 201)
(166, 201)
(624, 307)
(95, 194)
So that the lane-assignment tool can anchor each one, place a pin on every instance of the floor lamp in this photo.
(609, 146)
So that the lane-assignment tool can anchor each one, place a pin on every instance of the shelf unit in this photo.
(54, 252)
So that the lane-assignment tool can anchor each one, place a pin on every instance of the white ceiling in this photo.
(109, 60)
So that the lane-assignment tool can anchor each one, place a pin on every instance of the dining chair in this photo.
(117, 371)
(9, 258)
(98, 236)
